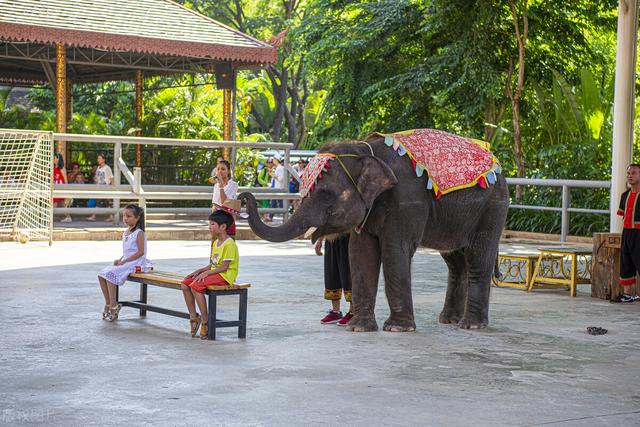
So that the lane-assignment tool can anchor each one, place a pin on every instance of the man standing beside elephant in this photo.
(337, 278)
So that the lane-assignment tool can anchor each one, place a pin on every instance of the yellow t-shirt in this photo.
(228, 251)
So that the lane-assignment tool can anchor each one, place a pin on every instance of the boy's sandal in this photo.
(195, 324)
(204, 329)
(113, 313)
(105, 312)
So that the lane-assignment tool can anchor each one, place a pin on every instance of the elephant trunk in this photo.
(287, 231)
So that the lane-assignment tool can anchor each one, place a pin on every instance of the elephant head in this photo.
(339, 201)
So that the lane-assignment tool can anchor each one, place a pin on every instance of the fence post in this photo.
(566, 201)
(117, 155)
(137, 188)
(285, 202)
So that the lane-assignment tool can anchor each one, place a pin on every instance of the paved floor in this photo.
(535, 364)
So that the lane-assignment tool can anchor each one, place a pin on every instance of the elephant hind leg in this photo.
(480, 258)
(454, 303)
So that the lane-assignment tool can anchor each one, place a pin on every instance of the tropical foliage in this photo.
(533, 77)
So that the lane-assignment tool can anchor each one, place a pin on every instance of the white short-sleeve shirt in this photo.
(231, 191)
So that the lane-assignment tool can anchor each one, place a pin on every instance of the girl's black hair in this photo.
(138, 212)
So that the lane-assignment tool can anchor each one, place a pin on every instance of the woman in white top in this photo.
(224, 187)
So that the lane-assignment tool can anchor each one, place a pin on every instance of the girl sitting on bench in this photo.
(134, 249)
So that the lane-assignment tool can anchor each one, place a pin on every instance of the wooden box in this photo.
(605, 267)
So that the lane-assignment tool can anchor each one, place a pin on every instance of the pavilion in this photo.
(60, 43)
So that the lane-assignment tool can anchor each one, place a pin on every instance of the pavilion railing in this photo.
(134, 189)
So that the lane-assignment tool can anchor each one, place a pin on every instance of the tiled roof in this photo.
(148, 26)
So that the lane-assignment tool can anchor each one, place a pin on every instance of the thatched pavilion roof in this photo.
(110, 39)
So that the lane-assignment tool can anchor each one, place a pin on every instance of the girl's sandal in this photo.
(113, 313)
(195, 324)
(204, 329)
(105, 312)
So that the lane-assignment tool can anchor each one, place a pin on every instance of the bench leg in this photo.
(213, 306)
(143, 298)
(117, 294)
(242, 314)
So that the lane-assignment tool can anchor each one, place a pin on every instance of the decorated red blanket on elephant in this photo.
(452, 162)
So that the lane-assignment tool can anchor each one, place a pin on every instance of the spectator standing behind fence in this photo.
(102, 176)
(59, 178)
(73, 172)
(277, 180)
(630, 241)
(337, 278)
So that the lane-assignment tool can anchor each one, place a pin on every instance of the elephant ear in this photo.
(375, 178)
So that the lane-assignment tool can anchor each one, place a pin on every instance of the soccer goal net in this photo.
(26, 185)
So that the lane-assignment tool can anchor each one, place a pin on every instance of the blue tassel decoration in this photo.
(429, 184)
(419, 169)
(401, 151)
(388, 140)
(491, 177)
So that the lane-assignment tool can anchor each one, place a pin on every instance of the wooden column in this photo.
(69, 116)
(226, 129)
(61, 95)
(139, 104)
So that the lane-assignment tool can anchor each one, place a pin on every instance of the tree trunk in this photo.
(515, 94)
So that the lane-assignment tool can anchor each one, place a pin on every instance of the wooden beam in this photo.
(226, 128)
(61, 95)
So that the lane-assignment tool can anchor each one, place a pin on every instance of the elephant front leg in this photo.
(364, 258)
(456, 297)
(397, 277)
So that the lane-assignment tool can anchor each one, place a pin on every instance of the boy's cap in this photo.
(278, 157)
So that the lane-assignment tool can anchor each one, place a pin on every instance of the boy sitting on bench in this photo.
(222, 270)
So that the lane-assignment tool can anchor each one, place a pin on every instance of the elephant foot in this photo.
(395, 325)
(468, 322)
(362, 324)
(447, 317)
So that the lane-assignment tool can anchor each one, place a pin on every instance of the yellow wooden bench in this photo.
(174, 281)
(554, 273)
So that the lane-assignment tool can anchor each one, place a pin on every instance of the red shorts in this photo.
(213, 280)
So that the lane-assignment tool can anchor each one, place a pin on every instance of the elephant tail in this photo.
(496, 270)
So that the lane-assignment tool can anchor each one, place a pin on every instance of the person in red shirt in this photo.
(59, 178)
(630, 242)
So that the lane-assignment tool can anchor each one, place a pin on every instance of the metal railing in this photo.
(134, 189)
(565, 209)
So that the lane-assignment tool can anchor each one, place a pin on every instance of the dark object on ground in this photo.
(596, 330)
(625, 299)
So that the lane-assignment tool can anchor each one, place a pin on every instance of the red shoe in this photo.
(345, 320)
(331, 317)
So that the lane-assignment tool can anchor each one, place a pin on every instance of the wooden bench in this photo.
(556, 274)
(174, 281)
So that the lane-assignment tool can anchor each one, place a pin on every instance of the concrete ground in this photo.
(535, 365)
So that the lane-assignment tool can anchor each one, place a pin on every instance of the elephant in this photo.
(375, 195)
